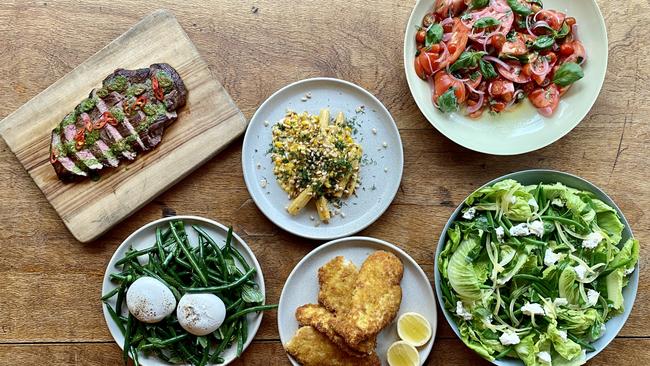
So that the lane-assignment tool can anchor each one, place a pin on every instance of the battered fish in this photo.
(311, 348)
(336, 280)
(324, 321)
(375, 300)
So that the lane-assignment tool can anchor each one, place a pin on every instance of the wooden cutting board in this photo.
(209, 121)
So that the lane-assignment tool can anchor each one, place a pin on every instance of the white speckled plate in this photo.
(302, 288)
(144, 238)
(521, 129)
(381, 169)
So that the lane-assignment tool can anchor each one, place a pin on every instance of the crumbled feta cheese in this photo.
(550, 257)
(557, 202)
(500, 232)
(513, 199)
(536, 228)
(592, 297)
(509, 338)
(532, 309)
(562, 334)
(520, 230)
(581, 270)
(592, 240)
(560, 301)
(470, 213)
(544, 356)
(532, 203)
(462, 312)
(629, 271)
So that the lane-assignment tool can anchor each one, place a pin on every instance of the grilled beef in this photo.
(123, 118)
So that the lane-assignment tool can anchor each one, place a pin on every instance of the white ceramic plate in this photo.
(302, 288)
(381, 168)
(144, 238)
(521, 129)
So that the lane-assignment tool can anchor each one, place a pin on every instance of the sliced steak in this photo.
(126, 115)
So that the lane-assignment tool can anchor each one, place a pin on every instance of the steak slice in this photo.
(126, 115)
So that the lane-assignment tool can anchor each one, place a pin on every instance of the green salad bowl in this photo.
(533, 177)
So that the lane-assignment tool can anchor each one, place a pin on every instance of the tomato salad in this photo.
(491, 54)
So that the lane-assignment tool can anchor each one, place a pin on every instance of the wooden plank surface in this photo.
(206, 124)
(253, 48)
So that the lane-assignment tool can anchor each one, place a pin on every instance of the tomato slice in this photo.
(446, 8)
(498, 9)
(515, 48)
(502, 90)
(554, 18)
(457, 43)
(545, 100)
(579, 54)
(537, 67)
(443, 82)
(515, 73)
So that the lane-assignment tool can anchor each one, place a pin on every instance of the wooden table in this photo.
(50, 311)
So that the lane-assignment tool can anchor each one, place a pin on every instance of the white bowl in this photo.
(520, 129)
(302, 288)
(381, 168)
(144, 237)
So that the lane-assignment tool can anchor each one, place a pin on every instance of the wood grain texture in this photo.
(51, 277)
(207, 123)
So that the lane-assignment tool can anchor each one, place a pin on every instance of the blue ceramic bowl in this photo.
(529, 177)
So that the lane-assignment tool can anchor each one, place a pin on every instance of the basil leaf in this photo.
(519, 8)
(467, 60)
(475, 75)
(251, 295)
(486, 22)
(567, 74)
(476, 4)
(487, 69)
(564, 31)
(538, 2)
(434, 35)
(543, 42)
(447, 102)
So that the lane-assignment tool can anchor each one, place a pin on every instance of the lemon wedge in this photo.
(401, 353)
(414, 329)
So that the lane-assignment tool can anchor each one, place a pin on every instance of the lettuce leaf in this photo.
(461, 273)
(565, 347)
(614, 283)
(567, 286)
(527, 350)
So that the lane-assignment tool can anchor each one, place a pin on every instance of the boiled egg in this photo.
(149, 300)
(200, 314)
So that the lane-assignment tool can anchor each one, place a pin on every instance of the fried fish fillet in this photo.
(324, 321)
(336, 279)
(311, 348)
(375, 300)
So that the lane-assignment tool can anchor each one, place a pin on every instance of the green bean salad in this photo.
(185, 269)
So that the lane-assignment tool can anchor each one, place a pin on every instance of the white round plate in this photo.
(144, 238)
(302, 288)
(520, 129)
(381, 167)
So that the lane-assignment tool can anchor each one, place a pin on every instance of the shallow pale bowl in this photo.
(520, 129)
(530, 177)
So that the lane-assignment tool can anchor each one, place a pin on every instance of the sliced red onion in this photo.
(574, 32)
(476, 106)
(535, 16)
(432, 85)
(453, 77)
(546, 112)
(487, 39)
(541, 23)
(474, 90)
(546, 67)
(530, 31)
(514, 98)
(446, 21)
(496, 60)
(446, 37)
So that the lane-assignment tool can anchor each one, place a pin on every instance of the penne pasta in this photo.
(301, 201)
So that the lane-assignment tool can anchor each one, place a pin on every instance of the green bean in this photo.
(120, 298)
(189, 255)
(503, 353)
(134, 254)
(110, 294)
(127, 339)
(250, 310)
(234, 305)
(533, 241)
(217, 250)
(157, 343)
(159, 244)
(240, 338)
(236, 283)
(115, 317)
(222, 345)
(582, 343)
(564, 220)
(244, 331)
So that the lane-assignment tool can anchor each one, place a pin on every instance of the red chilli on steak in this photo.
(127, 115)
